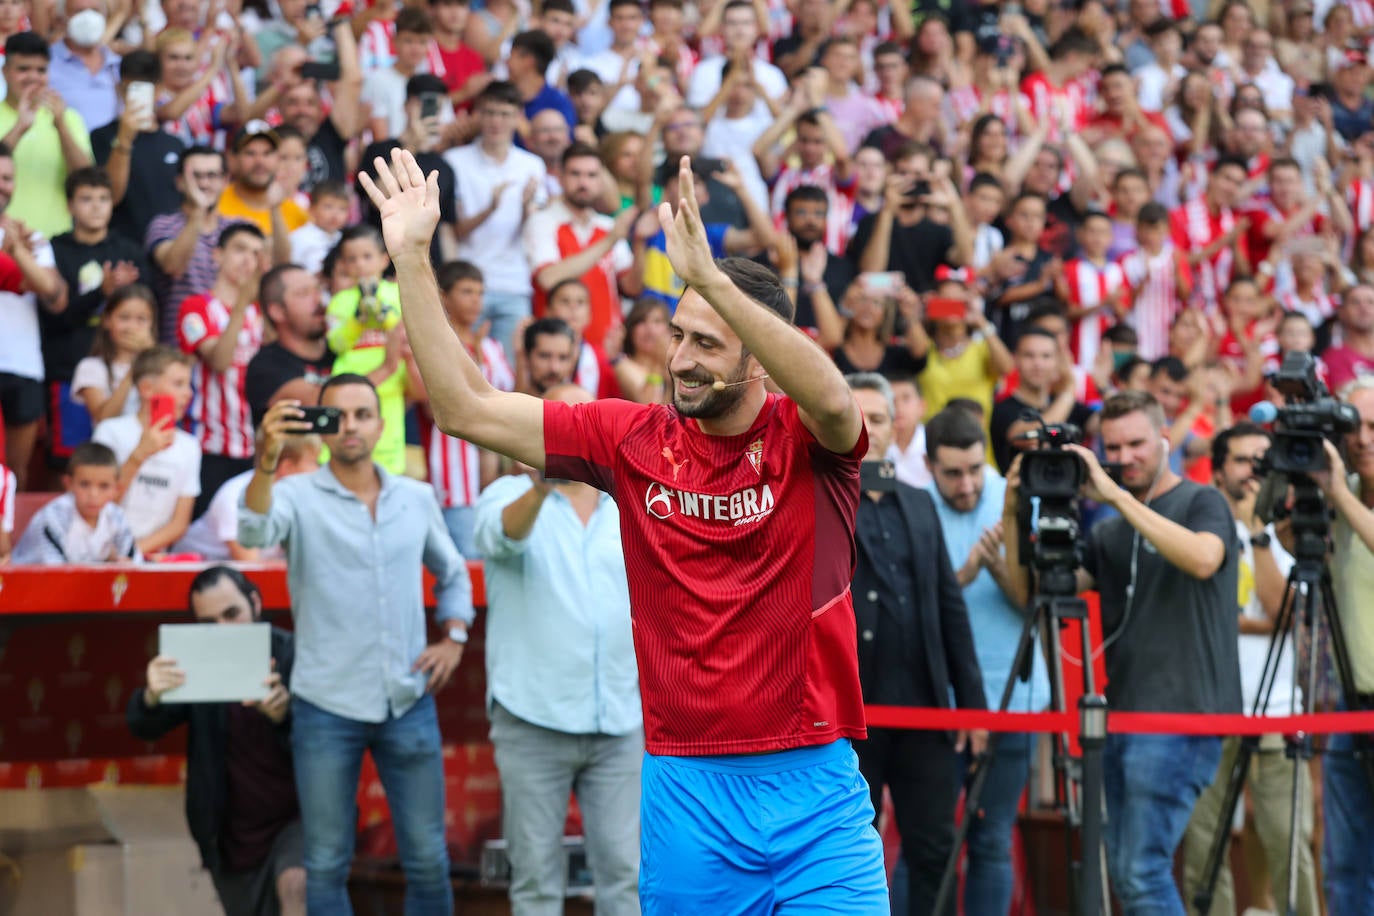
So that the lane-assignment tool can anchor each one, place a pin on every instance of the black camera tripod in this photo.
(1309, 582)
(1078, 780)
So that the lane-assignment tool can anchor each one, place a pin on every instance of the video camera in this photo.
(1047, 516)
(1310, 414)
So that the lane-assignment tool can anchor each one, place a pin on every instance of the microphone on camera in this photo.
(721, 384)
(1264, 413)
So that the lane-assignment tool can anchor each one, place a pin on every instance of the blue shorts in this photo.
(788, 833)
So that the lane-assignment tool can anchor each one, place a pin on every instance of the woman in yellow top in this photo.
(966, 358)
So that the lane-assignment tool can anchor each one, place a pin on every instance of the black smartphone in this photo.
(325, 72)
(323, 421)
(429, 105)
(878, 476)
(919, 188)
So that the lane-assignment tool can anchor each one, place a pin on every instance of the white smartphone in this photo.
(140, 95)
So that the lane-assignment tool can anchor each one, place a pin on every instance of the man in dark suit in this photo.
(915, 649)
(241, 802)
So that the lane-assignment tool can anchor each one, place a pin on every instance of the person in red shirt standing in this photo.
(460, 67)
(1210, 233)
(223, 329)
(744, 629)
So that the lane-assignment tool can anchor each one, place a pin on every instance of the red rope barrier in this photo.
(1121, 723)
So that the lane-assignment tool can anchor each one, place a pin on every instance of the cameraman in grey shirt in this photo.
(355, 538)
(1166, 572)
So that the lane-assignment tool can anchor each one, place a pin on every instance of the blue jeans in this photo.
(988, 880)
(460, 521)
(1151, 784)
(328, 751)
(1348, 851)
(505, 311)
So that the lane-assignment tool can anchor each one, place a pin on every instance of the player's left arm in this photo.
(800, 368)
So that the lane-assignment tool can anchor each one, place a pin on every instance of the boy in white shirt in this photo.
(85, 524)
(328, 216)
(159, 474)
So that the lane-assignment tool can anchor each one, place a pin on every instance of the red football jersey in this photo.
(739, 552)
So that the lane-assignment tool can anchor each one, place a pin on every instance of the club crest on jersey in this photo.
(743, 507)
(755, 455)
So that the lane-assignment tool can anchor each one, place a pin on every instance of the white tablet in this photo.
(224, 663)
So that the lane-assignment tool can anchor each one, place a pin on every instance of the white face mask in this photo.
(86, 28)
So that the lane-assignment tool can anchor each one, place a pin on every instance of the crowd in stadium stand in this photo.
(1014, 213)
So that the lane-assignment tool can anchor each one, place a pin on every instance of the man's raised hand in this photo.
(407, 201)
(689, 250)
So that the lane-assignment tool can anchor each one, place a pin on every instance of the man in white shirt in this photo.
(159, 473)
(908, 449)
(618, 65)
(739, 28)
(499, 186)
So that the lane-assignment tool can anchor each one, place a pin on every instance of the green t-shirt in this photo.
(40, 198)
(361, 350)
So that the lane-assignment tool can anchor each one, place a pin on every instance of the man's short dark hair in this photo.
(580, 150)
(559, 6)
(27, 44)
(457, 271)
(1073, 41)
(92, 455)
(348, 378)
(424, 84)
(201, 150)
(1171, 366)
(233, 230)
(737, 5)
(579, 81)
(141, 66)
(1152, 214)
(953, 427)
(1161, 26)
(209, 578)
(537, 44)
(1230, 161)
(363, 231)
(415, 20)
(967, 405)
(1125, 403)
(1221, 444)
(760, 284)
(273, 288)
(500, 92)
(547, 326)
(889, 47)
(89, 177)
(1046, 308)
(330, 187)
(985, 180)
(1113, 70)
(806, 193)
(1031, 331)
(1122, 334)
(617, 3)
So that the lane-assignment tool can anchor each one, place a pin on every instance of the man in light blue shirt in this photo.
(562, 684)
(355, 538)
(968, 498)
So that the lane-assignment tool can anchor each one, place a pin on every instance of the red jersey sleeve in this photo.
(790, 414)
(581, 441)
(1178, 229)
(193, 323)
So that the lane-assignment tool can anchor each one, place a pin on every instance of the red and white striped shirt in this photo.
(837, 222)
(1090, 286)
(1194, 227)
(1360, 198)
(967, 104)
(219, 410)
(1155, 299)
(199, 125)
(1318, 307)
(455, 464)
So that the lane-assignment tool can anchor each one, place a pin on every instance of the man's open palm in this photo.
(407, 201)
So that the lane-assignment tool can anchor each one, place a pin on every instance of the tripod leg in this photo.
(1022, 661)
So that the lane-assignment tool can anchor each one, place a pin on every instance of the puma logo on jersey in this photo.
(739, 508)
(672, 460)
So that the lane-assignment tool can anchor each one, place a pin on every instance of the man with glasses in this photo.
(1264, 566)
(181, 244)
(499, 185)
(682, 134)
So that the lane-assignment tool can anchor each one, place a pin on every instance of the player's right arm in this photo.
(464, 404)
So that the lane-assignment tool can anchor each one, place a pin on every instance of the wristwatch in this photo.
(458, 635)
(1261, 540)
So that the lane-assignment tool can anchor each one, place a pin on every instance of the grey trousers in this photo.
(539, 767)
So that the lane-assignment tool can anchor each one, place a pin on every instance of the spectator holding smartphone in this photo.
(159, 465)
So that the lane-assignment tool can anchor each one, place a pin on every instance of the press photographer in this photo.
(1166, 572)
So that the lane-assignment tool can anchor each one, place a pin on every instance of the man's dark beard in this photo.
(716, 403)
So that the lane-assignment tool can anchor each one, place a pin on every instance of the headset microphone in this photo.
(721, 384)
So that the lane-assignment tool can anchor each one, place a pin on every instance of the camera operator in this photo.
(1347, 799)
(915, 648)
(1264, 566)
(1166, 571)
